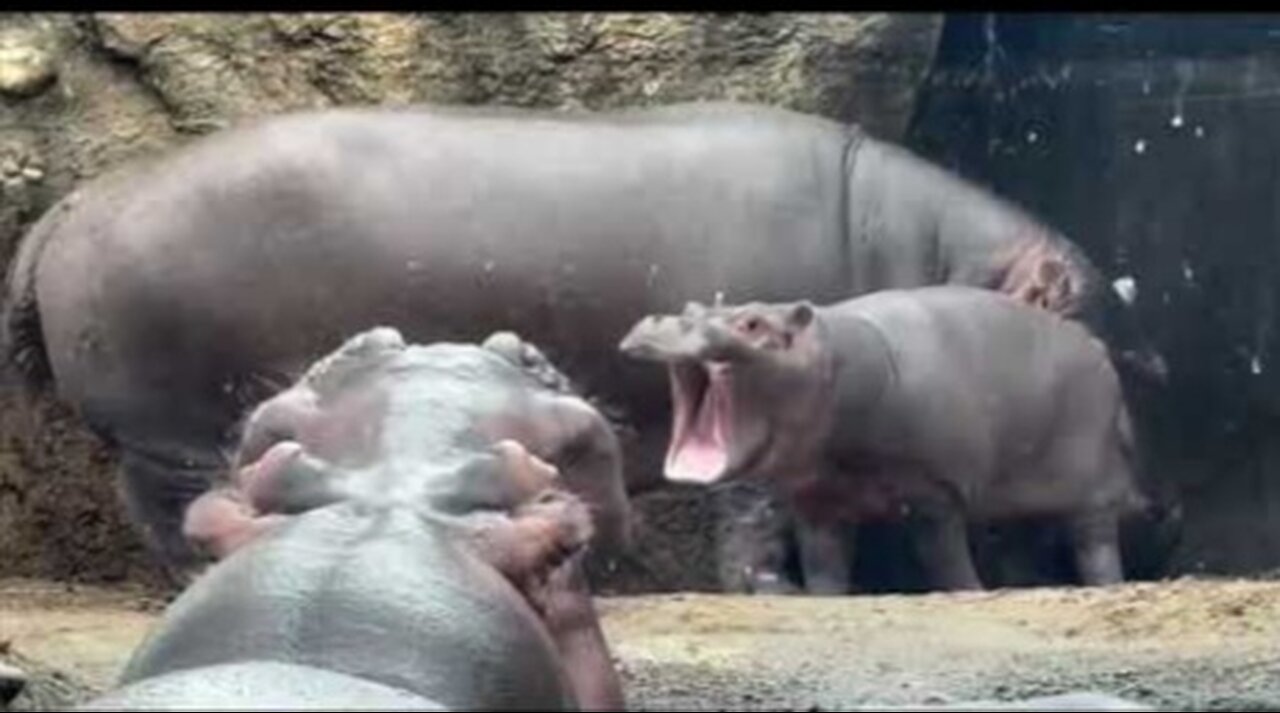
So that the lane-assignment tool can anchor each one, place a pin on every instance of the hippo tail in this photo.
(21, 331)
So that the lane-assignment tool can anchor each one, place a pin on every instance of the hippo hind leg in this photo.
(156, 495)
(1096, 540)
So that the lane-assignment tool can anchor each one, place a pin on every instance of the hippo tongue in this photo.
(699, 451)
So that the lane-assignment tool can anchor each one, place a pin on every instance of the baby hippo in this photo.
(389, 541)
(943, 403)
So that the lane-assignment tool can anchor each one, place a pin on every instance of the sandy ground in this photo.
(1186, 644)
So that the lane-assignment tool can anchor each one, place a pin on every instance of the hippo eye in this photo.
(751, 325)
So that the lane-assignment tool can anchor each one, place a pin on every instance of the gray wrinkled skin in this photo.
(385, 541)
(258, 685)
(939, 404)
(162, 300)
(451, 397)
(384, 595)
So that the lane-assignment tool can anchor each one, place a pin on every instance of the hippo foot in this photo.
(12, 681)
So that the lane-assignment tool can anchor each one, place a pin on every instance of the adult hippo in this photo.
(162, 299)
(943, 403)
(378, 553)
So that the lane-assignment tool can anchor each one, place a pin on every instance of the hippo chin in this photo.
(378, 548)
(162, 300)
(947, 402)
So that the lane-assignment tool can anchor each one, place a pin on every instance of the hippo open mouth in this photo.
(702, 422)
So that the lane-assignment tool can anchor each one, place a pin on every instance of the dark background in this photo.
(1152, 141)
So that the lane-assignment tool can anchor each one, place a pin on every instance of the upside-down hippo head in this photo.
(386, 419)
(381, 426)
(751, 386)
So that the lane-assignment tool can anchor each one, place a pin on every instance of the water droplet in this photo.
(1140, 146)
(1188, 273)
(1127, 288)
(1176, 121)
(489, 265)
(1146, 86)
(1255, 365)
(1199, 132)
(1032, 136)
(413, 265)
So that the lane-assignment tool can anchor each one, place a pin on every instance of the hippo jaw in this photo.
(702, 422)
(726, 366)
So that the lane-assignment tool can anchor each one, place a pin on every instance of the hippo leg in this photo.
(751, 541)
(156, 494)
(942, 538)
(824, 557)
(1095, 536)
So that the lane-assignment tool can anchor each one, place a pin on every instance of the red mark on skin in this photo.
(870, 490)
(827, 500)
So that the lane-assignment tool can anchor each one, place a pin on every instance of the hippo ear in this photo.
(801, 315)
(1050, 271)
(220, 522)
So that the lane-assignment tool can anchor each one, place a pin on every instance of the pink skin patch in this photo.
(223, 523)
(699, 450)
(257, 479)
(224, 520)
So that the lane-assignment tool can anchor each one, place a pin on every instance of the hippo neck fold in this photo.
(866, 369)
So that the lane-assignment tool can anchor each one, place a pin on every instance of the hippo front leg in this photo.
(942, 539)
(1096, 540)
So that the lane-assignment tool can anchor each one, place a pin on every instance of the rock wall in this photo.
(81, 93)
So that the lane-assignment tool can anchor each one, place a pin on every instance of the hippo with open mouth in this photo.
(946, 403)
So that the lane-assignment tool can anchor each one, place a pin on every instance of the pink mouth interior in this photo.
(699, 451)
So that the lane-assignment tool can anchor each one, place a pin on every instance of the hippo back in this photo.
(385, 594)
(259, 685)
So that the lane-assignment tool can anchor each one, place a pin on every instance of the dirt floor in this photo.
(1181, 645)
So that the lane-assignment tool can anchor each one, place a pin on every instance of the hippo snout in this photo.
(639, 342)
